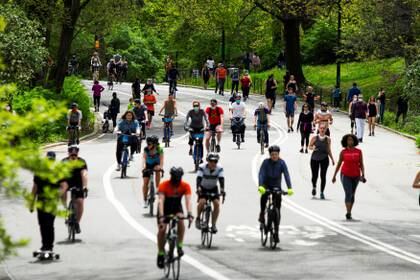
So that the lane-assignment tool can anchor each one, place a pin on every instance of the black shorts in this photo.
(78, 193)
(171, 208)
(212, 194)
(270, 95)
(152, 113)
(148, 171)
(212, 127)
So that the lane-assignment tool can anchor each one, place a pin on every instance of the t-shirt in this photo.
(352, 92)
(382, 99)
(42, 185)
(261, 115)
(235, 74)
(245, 81)
(359, 110)
(221, 73)
(238, 110)
(166, 188)
(139, 112)
(197, 119)
(97, 89)
(351, 162)
(214, 115)
(154, 158)
(75, 178)
(290, 102)
(210, 177)
(149, 98)
(74, 117)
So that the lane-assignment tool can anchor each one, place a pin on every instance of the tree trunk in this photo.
(292, 49)
(72, 10)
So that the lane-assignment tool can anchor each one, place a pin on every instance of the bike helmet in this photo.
(274, 148)
(152, 139)
(261, 105)
(238, 96)
(51, 155)
(137, 101)
(212, 157)
(73, 149)
(176, 173)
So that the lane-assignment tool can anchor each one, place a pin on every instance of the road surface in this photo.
(118, 238)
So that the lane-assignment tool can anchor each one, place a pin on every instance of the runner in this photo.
(290, 107)
(149, 100)
(305, 121)
(270, 92)
(324, 116)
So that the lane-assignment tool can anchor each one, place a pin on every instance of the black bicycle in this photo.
(198, 151)
(213, 141)
(73, 134)
(71, 219)
(172, 260)
(151, 196)
(271, 218)
(237, 123)
(206, 214)
(261, 128)
(125, 155)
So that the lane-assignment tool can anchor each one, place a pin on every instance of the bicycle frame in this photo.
(151, 197)
(198, 148)
(125, 139)
(71, 216)
(272, 221)
(262, 128)
(167, 130)
(213, 141)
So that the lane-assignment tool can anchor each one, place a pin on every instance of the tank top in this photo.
(351, 162)
(321, 149)
(372, 110)
(169, 108)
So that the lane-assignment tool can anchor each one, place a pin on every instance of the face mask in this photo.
(213, 106)
(238, 101)
(196, 109)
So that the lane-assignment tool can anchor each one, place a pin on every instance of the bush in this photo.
(73, 91)
(418, 141)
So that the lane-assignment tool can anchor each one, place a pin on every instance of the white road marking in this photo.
(239, 240)
(288, 203)
(143, 231)
(304, 243)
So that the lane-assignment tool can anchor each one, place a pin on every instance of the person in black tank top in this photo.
(372, 113)
(306, 118)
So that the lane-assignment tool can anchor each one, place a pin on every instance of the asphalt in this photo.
(118, 238)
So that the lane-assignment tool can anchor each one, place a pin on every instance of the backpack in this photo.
(74, 117)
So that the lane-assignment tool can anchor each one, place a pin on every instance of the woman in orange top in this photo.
(150, 100)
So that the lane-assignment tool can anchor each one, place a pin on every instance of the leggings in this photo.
(96, 101)
(350, 186)
(235, 86)
(304, 138)
(315, 166)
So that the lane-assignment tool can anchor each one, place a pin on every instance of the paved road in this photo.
(118, 239)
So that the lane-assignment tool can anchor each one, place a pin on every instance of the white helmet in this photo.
(261, 105)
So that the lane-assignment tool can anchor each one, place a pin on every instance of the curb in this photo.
(96, 129)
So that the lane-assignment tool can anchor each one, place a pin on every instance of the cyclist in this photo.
(269, 177)
(136, 89)
(262, 121)
(237, 117)
(171, 111)
(43, 193)
(152, 161)
(127, 126)
(79, 179)
(324, 116)
(198, 123)
(74, 121)
(173, 75)
(140, 110)
(215, 117)
(149, 87)
(290, 106)
(170, 195)
(95, 64)
(150, 100)
(207, 176)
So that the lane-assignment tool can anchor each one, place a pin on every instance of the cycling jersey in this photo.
(173, 195)
(214, 115)
(270, 174)
(209, 177)
(153, 159)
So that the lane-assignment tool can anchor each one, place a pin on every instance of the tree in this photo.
(292, 13)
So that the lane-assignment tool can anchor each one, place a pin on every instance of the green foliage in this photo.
(418, 141)
(22, 46)
(412, 85)
(319, 43)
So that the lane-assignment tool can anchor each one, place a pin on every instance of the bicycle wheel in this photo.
(273, 219)
(209, 236)
(151, 197)
(213, 145)
(264, 234)
(176, 267)
(167, 135)
(204, 230)
(238, 141)
(167, 266)
(262, 139)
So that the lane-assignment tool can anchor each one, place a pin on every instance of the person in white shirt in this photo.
(237, 116)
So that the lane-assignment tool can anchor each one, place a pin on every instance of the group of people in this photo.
(116, 69)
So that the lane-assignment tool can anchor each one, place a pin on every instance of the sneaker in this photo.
(161, 261)
(198, 224)
(266, 145)
(261, 219)
(77, 228)
(349, 217)
(201, 161)
(370, 134)
(373, 133)
(213, 229)
(218, 148)
(180, 251)
(146, 204)
(234, 139)
(131, 158)
(243, 139)
(322, 196)
(306, 151)
(118, 167)
(292, 129)
(288, 131)
(361, 140)
(313, 192)
(276, 237)
(190, 152)
(301, 150)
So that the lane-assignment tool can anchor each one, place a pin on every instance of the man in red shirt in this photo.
(221, 73)
(215, 117)
(246, 83)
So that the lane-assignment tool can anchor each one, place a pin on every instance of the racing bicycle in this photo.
(206, 214)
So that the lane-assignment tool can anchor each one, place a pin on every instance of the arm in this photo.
(161, 158)
(339, 163)
(64, 186)
(362, 166)
(416, 183)
(312, 143)
(163, 107)
(145, 116)
(144, 161)
(330, 119)
(188, 204)
(329, 151)
(261, 174)
(222, 121)
(34, 197)
(175, 108)
(84, 174)
(161, 203)
(286, 175)
(299, 121)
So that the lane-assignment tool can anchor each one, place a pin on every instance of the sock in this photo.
(161, 253)
(180, 244)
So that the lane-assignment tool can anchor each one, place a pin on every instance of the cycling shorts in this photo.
(213, 194)
(148, 171)
(151, 112)
(78, 192)
(215, 127)
(172, 206)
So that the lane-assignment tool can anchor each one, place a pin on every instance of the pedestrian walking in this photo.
(351, 116)
(221, 74)
(136, 89)
(402, 108)
(309, 96)
(359, 112)
(234, 75)
(246, 83)
(292, 83)
(382, 100)
(352, 170)
(304, 125)
(336, 94)
(372, 113)
(97, 91)
(352, 92)
(270, 91)
(321, 146)
(205, 74)
(290, 107)
(114, 109)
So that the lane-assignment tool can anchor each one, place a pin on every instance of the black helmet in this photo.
(74, 105)
(152, 139)
(176, 173)
(51, 155)
(212, 157)
(73, 149)
(274, 148)
(137, 101)
(324, 104)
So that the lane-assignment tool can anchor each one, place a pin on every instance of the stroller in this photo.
(105, 121)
